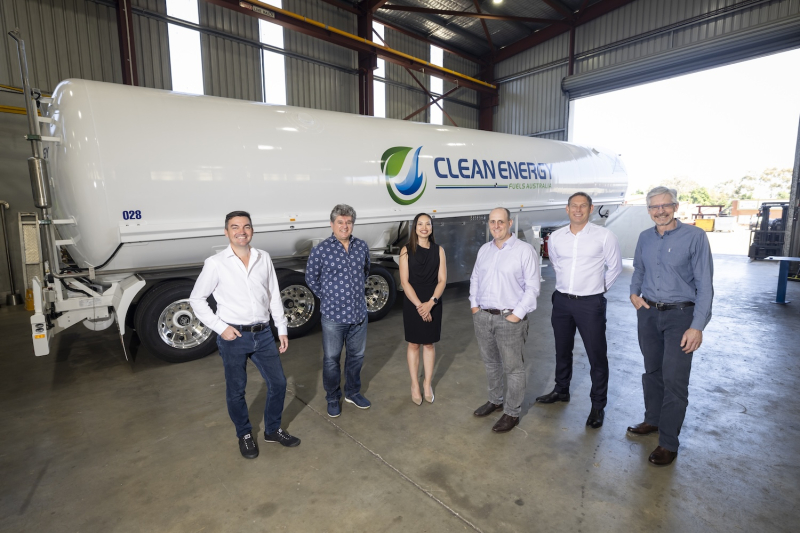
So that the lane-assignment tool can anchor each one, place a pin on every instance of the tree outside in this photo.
(771, 183)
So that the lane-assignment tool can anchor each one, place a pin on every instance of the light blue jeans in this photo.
(501, 343)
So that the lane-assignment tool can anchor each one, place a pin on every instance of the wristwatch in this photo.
(435, 300)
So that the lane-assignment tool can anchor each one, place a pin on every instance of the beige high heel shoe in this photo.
(418, 400)
(430, 398)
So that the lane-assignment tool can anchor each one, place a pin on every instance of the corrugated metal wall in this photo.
(645, 16)
(152, 46)
(63, 39)
(534, 103)
(402, 101)
(465, 116)
(231, 69)
(314, 85)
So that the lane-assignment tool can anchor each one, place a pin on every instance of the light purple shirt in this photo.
(506, 277)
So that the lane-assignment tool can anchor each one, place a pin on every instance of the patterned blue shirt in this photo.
(338, 277)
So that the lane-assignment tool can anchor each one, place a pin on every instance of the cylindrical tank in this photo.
(158, 170)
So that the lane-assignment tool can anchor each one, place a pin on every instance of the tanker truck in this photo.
(134, 184)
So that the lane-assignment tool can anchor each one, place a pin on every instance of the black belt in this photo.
(500, 312)
(253, 328)
(576, 297)
(666, 307)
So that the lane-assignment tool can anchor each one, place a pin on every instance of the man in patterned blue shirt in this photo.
(337, 272)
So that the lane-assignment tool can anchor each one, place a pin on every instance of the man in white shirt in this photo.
(586, 259)
(245, 287)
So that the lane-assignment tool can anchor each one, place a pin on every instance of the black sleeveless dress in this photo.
(423, 275)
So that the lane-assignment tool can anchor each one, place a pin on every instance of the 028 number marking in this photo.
(132, 215)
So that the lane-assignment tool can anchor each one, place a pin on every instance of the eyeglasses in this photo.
(659, 207)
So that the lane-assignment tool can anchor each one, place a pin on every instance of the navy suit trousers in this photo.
(587, 315)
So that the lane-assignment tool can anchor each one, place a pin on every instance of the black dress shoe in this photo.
(642, 429)
(553, 397)
(487, 409)
(506, 423)
(596, 417)
(662, 456)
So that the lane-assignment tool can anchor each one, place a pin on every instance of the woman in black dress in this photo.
(423, 274)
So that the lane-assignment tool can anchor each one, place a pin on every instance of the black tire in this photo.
(168, 327)
(380, 292)
(300, 305)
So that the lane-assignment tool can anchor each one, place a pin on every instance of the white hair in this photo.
(657, 191)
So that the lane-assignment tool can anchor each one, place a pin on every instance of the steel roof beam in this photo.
(561, 8)
(470, 14)
(371, 6)
(485, 27)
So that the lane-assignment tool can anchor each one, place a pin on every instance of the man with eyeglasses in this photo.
(672, 291)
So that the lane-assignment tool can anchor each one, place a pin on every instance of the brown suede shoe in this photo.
(642, 429)
(506, 423)
(487, 409)
(662, 456)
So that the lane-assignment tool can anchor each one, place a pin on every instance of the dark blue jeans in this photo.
(666, 370)
(260, 348)
(354, 338)
(588, 315)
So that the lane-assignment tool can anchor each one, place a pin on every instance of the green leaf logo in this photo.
(410, 188)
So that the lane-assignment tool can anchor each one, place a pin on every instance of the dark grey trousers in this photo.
(666, 370)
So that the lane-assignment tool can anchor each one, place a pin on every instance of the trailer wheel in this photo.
(300, 305)
(168, 327)
(380, 292)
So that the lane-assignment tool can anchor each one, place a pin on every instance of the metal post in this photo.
(3, 206)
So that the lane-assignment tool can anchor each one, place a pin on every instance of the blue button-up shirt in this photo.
(338, 277)
(506, 278)
(675, 267)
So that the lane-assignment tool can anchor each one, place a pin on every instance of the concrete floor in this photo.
(90, 443)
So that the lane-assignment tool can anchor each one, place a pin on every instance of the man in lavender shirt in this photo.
(503, 289)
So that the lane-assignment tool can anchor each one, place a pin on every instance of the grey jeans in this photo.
(501, 343)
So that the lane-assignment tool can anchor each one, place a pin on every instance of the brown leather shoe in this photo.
(642, 429)
(506, 423)
(487, 409)
(662, 456)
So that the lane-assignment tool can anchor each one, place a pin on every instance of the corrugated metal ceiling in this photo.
(467, 33)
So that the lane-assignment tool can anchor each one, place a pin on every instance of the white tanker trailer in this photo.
(134, 184)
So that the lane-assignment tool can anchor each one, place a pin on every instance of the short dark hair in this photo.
(234, 214)
(580, 194)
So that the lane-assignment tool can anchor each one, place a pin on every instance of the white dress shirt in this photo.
(506, 278)
(244, 295)
(587, 263)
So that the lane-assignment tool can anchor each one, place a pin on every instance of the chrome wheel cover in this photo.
(298, 304)
(376, 292)
(179, 328)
